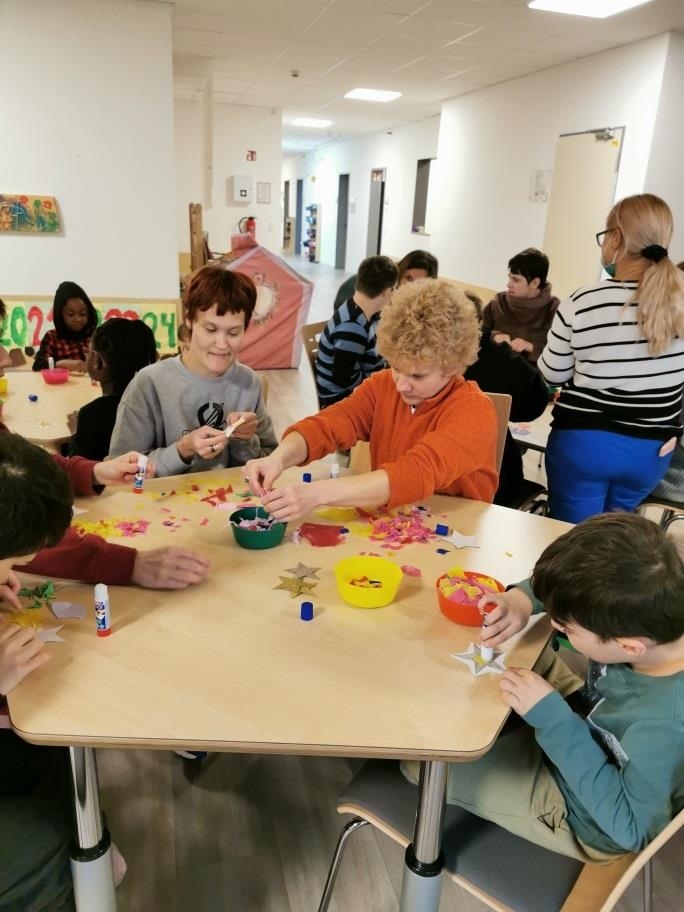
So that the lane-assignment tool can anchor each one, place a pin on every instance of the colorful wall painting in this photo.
(27, 321)
(23, 214)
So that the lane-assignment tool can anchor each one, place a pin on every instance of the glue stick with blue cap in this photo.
(486, 652)
(140, 474)
(102, 617)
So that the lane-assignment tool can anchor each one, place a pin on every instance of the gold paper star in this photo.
(295, 586)
(301, 571)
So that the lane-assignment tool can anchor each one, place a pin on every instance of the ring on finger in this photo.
(212, 447)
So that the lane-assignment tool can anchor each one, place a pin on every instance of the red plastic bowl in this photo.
(465, 612)
(55, 375)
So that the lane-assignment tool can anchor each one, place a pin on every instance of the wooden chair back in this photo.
(502, 404)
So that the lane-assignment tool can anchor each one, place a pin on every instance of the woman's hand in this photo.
(522, 689)
(293, 500)
(521, 345)
(205, 442)
(20, 654)
(510, 613)
(501, 337)
(245, 424)
(120, 470)
(261, 474)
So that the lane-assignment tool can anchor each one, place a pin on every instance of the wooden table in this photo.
(44, 421)
(229, 666)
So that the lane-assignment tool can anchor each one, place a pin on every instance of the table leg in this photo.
(91, 857)
(421, 886)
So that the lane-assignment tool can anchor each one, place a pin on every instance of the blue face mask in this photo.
(610, 269)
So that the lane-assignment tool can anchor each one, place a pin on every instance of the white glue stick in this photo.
(140, 474)
(102, 616)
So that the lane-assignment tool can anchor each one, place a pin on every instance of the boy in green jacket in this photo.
(606, 779)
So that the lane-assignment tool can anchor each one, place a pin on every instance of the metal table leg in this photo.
(91, 857)
(421, 886)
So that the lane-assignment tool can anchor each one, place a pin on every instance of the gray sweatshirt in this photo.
(166, 400)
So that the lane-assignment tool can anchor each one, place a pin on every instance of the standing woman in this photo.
(617, 350)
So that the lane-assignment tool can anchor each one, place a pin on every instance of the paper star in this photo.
(301, 571)
(295, 586)
(64, 610)
(49, 635)
(460, 541)
(472, 658)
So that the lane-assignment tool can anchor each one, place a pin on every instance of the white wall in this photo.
(236, 129)
(491, 140)
(191, 165)
(664, 176)
(87, 116)
(398, 153)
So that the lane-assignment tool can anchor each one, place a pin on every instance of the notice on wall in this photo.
(263, 192)
(540, 186)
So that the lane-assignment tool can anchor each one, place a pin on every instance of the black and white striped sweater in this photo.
(609, 380)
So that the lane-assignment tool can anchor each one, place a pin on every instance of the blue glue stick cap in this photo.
(306, 611)
(306, 476)
(441, 529)
(33, 397)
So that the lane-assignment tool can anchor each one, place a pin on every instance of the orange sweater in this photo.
(448, 445)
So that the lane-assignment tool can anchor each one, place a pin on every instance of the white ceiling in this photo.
(429, 50)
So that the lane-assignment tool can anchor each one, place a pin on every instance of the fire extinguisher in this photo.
(247, 225)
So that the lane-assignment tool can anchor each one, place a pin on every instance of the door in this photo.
(375, 209)
(287, 240)
(298, 216)
(582, 194)
(342, 219)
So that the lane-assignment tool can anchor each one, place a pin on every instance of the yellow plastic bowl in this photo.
(373, 568)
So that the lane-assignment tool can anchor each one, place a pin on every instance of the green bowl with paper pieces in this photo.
(255, 529)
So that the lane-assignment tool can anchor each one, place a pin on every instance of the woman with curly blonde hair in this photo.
(617, 349)
(430, 431)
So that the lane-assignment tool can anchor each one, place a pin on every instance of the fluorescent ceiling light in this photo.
(310, 122)
(596, 9)
(372, 95)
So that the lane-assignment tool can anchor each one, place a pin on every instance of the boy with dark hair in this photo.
(522, 315)
(599, 786)
(346, 350)
(35, 822)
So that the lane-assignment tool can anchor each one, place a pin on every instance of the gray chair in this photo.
(506, 872)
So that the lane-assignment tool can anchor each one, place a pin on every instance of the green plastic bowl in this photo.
(251, 538)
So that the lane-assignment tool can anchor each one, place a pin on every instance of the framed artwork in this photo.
(23, 214)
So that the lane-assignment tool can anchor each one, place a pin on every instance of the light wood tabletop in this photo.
(44, 421)
(228, 664)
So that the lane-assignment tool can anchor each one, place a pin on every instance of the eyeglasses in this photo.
(601, 234)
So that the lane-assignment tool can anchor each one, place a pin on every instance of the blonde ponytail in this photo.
(645, 222)
(661, 305)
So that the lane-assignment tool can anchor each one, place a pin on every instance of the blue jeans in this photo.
(592, 472)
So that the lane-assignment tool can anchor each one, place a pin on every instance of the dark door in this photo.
(375, 210)
(298, 216)
(342, 218)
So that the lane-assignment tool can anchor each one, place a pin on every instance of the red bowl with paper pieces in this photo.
(459, 593)
(54, 375)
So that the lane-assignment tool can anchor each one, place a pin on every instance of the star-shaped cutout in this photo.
(301, 571)
(49, 635)
(478, 666)
(295, 586)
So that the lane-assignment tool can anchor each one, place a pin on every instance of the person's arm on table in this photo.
(372, 489)
(20, 654)
(510, 614)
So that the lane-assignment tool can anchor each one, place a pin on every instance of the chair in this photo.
(506, 872)
(502, 405)
(17, 357)
(531, 498)
(311, 333)
(673, 510)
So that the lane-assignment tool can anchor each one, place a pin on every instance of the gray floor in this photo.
(255, 834)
